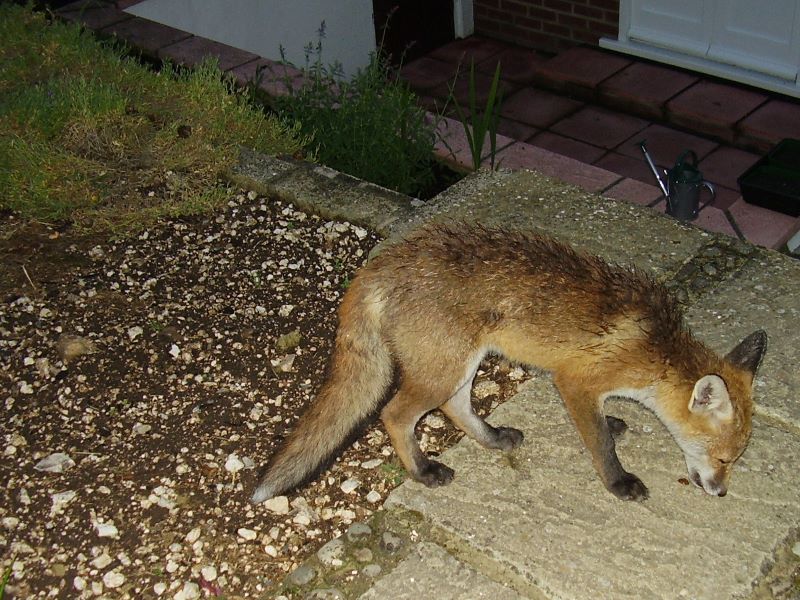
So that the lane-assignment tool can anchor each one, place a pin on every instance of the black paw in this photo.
(629, 487)
(435, 474)
(616, 426)
(508, 438)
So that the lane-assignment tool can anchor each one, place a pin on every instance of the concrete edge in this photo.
(324, 191)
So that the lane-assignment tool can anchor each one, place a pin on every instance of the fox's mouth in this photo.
(717, 490)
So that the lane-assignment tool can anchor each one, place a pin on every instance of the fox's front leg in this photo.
(584, 407)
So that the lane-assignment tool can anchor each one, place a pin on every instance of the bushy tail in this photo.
(360, 373)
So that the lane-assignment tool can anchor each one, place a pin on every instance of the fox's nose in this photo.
(722, 491)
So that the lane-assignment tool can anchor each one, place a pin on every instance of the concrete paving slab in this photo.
(616, 230)
(542, 518)
(766, 294)
(430, 572)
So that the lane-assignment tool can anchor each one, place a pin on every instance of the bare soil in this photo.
(145, 379)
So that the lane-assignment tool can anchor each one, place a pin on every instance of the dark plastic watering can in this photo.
(682, 186)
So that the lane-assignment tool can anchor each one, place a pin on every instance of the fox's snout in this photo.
(714, 486)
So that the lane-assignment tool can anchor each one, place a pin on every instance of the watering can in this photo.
(682, 186)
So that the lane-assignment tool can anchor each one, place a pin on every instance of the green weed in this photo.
(370, 127)
(394, 474)
(479, 125)
(4, 581)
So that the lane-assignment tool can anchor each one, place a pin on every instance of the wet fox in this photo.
(428, 310)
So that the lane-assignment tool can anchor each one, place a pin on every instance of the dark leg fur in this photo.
(616, 426)
(400, 415)
(434, 474)
(459, 410)
(597, 431)
(508, 438)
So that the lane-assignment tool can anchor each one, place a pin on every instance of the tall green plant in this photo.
(480, 123)
(370, 126)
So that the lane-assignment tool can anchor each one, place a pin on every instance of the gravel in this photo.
(145, 381)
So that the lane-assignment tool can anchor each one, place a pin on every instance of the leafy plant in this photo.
(480, 124)
(370, 126)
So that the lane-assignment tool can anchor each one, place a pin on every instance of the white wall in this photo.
(263, 26)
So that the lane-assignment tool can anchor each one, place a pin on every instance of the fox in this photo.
(419, 318)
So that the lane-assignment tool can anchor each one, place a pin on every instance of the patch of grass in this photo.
(370, 126)
(91, 136)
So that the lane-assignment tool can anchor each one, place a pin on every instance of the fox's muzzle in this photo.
(712, 487)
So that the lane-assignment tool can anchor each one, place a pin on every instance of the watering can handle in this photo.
(711, 189)
(684, 155)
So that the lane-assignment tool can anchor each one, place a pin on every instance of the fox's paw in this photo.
(629, 487)
(508, 438)
(435, 474)
(616, 426)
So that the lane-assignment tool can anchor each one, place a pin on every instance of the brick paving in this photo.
(192, 51)
(774, 120)
(713, 108)
(644, 88)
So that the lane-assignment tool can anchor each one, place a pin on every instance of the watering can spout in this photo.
(661, 183)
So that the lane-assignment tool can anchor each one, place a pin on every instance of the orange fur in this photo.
(432, 306)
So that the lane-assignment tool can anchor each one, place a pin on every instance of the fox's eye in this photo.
(724, 462)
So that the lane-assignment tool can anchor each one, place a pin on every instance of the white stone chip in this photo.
(279, 505)
(113, 579)
(349, 486)
(246, 534)
(193, 536)
(234, 464)
(58, 462)
(106, 530)
(189, 591)
(60, 500)
(101, 561)
(142, 428)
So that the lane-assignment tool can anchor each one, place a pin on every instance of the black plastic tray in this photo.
(774, 181)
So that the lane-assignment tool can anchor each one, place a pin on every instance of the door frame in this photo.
(463, 18)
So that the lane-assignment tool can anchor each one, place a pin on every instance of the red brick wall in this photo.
(549, 25)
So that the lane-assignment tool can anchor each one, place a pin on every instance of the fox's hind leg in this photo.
(616, 426)
(400, 415)
(459, 409)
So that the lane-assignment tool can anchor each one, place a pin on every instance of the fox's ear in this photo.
(748, 354)
(710, 397)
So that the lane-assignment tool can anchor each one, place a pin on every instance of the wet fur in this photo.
(429, 308)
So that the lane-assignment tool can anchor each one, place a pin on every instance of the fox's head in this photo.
(718, 426)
